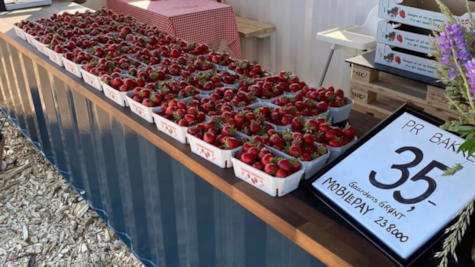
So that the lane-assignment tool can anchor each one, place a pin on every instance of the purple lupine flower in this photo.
(453, 72)
(470, 73)
(453, 38)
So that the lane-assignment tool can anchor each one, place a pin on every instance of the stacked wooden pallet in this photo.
(380, 94)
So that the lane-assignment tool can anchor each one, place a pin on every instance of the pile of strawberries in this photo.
(246, 122)
(298, 145)
(334, 98)
(208, 92)
(255, 154)
(217, 133)
(181, 114)
(323, 133)
(304, 106)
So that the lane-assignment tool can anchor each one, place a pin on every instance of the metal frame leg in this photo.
(328, 64)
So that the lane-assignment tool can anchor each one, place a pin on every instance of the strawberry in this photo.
(330, 135)
(270, 169)
(284, 164)
(349, 131)
(209, 138)
(258, 166)
(322, 150)
(267, 158)
(231, 143)
(335, 143)
(248, 158)
(281, 174)
(295, 164)
(295, 151)
(308, 139)
(253, 150)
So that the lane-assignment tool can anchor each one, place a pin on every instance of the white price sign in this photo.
(393, 184)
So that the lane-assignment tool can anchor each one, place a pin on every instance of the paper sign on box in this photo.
(387, 34)
(422, 13)
(420, 65)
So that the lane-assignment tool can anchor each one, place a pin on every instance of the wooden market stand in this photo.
(104, 147)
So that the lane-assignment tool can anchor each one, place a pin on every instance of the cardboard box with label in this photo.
(403, 36)
(405, 61)
(422, 13)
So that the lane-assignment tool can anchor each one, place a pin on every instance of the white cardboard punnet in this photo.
(273, 186)
(91, 79)
(139, 109)
(56, 57)
(42, 48)
(170, 128)
(115, 95)
(72, 67)
(19, 32)
(220, 157)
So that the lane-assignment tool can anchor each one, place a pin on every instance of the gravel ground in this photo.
(43, 221)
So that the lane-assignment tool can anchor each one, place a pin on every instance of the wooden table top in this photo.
(299, 216)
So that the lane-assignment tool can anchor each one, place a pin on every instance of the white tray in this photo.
(19, 32)
(170, 128)
(72, 67)
(219, 157)
(56, 57)
(139, 109)
(115, 95)
(273, 186)
(92, 80)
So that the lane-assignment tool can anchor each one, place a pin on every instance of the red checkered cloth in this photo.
(198, 21)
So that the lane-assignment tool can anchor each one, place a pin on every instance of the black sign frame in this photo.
(353, 222)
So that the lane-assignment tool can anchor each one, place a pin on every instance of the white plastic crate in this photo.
(19, 32)
(273, 186)
(30, 39)
(170, 128)
(311, 167)
(139, 109)
(217, 156)
(91, 79)
(56, 57)
(341, 114)
(72, 67)
(42, 48)
(115, 95)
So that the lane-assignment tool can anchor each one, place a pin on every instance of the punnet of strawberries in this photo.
(217, 133)
(247, 69)
(151, 98)
(324, 133)
(334, 98)
(255, 154)
(305, 106)
(301, 146)
(181, 113)
(246, 122)
(273, 86)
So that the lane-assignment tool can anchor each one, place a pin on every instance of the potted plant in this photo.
(454, 47)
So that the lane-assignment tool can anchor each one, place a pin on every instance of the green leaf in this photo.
(462, 129)
(453, 170)
(468, 146)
